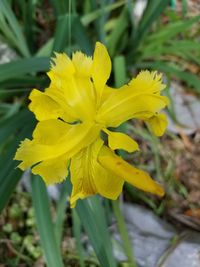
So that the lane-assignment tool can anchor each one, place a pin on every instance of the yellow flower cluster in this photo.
(74, 111)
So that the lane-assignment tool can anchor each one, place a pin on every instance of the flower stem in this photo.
(124, 234)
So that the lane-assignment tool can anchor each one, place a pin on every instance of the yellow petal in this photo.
(89, 177)
(146, 81)
(101, 69)
(124, 104)
(130, 174)
(71, 142)
(106, 93)
(158, 124)
(53, 171)
(50, 132)
(121, 141)
(75, 92)
(83, 98)
(71, 84)
(139, 99)
(20, 155)
(45, 108)
(61, 66)
(82, 63)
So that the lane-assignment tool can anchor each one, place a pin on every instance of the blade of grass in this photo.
(184, 7)
(78, 34)
(171, 30)
(119, 70)
(23, 66)
(77, 235)
(46, 49)
(88, 18)
(44, 223)
(185, 49)
(120, 79)
(6, 33)
(60, 7)
(119, 28)
(24, 81)
(100, 22)
(28, 9)
(152, 12)
(56, 6)
(8, 110)
(9, 176)
(7, 93)
(8, 187)
(15, 27)
(60, 213)
(12, 124)
(62, 32)
(97, 231)
(140, 196)
(123, 233)
(92, 217)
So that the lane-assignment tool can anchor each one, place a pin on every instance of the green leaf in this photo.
(77, 235)
(8, 184)
(23, 66)
(60, 7)
(88, 18)
(186, 48)
(93, 218)
(13, 28)
(25, 81)
(152, 12)
(28, 9)
(172, 29)
(46, 49)
(80, 35)
(119, 70)
(12, 124)
(7, 109)
(20, 125)
(44, 223)
(60, 212)
(119, 28)
(63, 34)
(124, 233)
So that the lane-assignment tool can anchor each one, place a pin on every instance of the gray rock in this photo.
(145, 222)
(149, 235)
(186, 253)
(186, 109)
(6, 53)
(151, 239)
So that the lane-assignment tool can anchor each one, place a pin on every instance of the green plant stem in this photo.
(123, 233)
(60, 216)
(155, 150)
(77, 234)
(51, 250)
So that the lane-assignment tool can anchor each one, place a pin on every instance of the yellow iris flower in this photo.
(74, 111)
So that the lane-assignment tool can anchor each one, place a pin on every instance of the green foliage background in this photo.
(35, 29)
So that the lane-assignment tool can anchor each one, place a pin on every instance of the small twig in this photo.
(13, 250)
